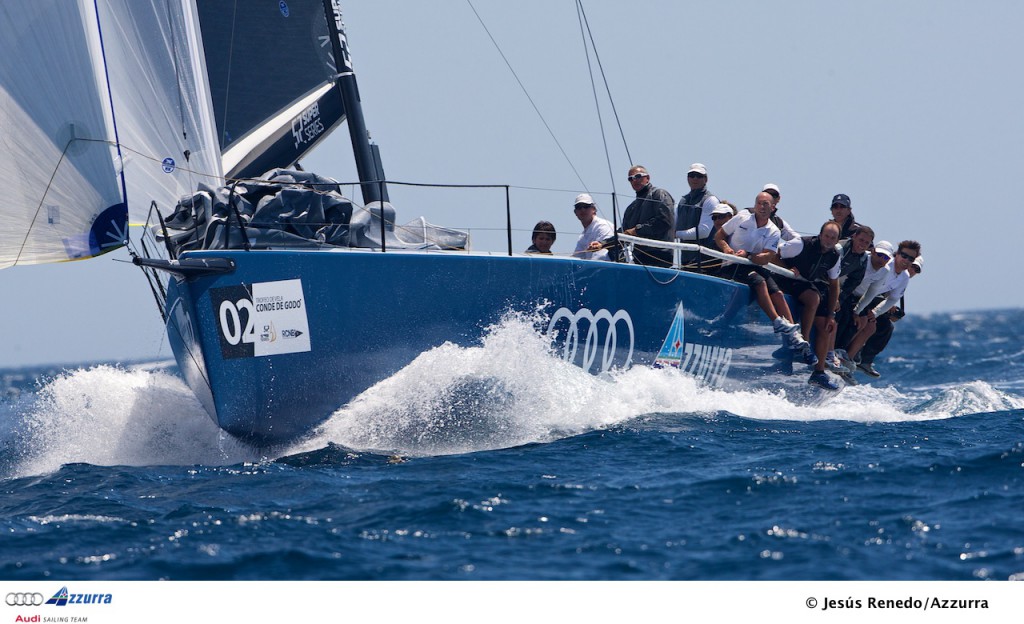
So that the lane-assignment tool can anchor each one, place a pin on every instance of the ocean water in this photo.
(500, 462)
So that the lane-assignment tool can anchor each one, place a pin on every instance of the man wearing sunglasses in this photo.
(693, 214)
(876, 269)
(595, 229)
(884, 327)
(649, 216)
(879, 298)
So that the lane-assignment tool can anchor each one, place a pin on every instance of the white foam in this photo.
(512, 391)
(112, 416)
(507, 392)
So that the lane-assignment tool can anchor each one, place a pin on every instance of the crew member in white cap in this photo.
(693, 214)
(880, 297)
(884, 328)
(788, 233)
(719, 216)
(878, 267)
(594, 228)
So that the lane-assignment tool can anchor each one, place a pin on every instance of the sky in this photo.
(911, 108)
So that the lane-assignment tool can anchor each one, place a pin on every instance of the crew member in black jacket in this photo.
(649, 216)
(817, 260)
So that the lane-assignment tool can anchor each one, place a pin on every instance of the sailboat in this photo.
(283, 299)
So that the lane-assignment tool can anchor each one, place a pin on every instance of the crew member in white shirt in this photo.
(880, 297)
(751, 235)
(594, 228)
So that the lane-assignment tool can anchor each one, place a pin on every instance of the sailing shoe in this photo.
(821, 379)
(845, 361)
(868, 368)
(781, 325)
(833, 363)
(795, 341)
(808, 354)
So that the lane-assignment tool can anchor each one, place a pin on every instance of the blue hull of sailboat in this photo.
(273, 348)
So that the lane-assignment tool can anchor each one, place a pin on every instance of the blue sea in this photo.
(499, 462)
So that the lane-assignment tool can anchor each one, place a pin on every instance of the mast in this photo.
(368, 166)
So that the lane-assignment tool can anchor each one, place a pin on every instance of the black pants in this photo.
(878, 341)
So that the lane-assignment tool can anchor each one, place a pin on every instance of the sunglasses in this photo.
(582, 206)
(906, 256)
(882, 255)
(636, 176)
(694, 174)
(716, 217)
(834, 206)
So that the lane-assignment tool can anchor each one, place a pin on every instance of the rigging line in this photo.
(177, 73)
(113, 116)
(527, 93)
(597, 104)
(605, 79)
(227, 80)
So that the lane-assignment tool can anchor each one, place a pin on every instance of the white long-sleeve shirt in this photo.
(598, 230)
(892, 287)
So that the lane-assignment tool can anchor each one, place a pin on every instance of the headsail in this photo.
(62, 199)
(161, 101)
(272, 102)
(89, 88)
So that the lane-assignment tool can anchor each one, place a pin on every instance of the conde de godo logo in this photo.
(62, 598)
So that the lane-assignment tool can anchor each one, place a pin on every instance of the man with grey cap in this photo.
(693, 214)
(594, 228)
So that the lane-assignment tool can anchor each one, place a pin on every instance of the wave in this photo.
(107, 415)
(507, 392)
(511, 391)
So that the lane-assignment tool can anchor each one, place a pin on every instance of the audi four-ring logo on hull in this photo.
(24, 599)
(595, 324)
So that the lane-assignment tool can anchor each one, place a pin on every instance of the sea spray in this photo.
(108, 415)
(513, 390)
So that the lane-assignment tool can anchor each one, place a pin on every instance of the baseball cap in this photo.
(843, 200)
(584, 198)
(919, 263)
(699, 168)
(885, 247)
(771, 187)
(722, 209)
